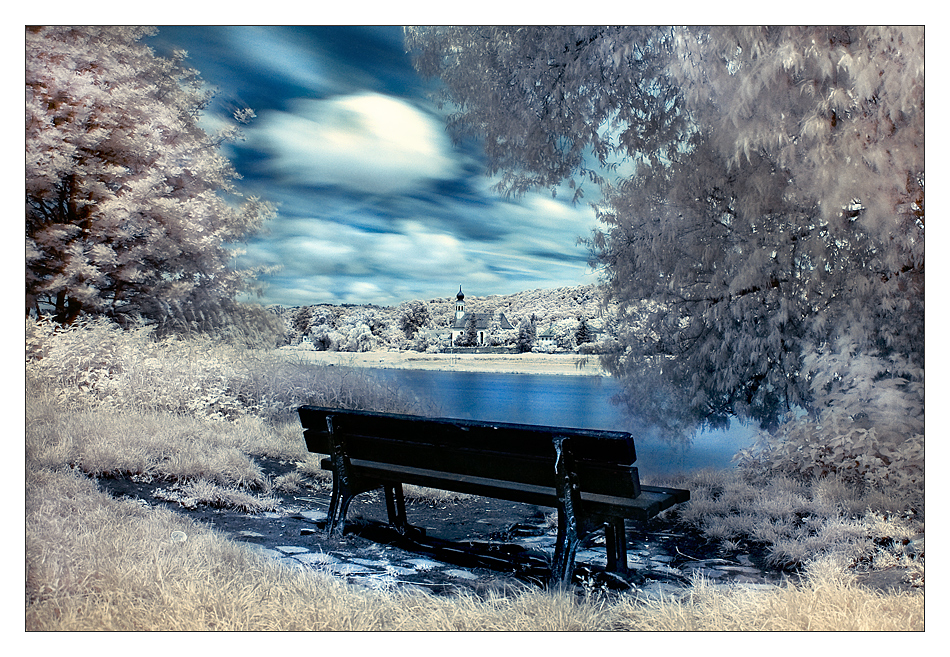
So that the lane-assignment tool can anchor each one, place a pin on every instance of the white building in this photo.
(483, 322)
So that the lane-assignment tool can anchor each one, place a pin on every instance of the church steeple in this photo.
(459, 304)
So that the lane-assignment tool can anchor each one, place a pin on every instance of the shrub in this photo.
(837, 444)
(868, 427)
(799, 520)
(96, 363)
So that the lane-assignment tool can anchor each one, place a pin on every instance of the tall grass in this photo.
(197, 414)
(827, 600)
(95, 563)
(797, 521)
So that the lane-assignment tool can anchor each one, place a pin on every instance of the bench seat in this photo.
(651, 501)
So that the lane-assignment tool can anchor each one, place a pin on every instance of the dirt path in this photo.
(469, 542)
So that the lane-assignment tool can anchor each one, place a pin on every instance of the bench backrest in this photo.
(602, 461)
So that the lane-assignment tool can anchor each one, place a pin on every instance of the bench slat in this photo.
(606, 446)
(650, 502)
(613, 479)
(516, 491)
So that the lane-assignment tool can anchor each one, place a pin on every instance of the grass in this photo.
(98, 563)
(799, 521)
(827, 600)
(95, 563)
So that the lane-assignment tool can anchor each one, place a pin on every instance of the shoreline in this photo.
(527, 363)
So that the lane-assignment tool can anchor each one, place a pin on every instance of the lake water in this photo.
(566, 401)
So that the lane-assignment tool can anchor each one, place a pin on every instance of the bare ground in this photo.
(470, 542)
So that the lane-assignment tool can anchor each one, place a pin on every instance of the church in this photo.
(483, 322)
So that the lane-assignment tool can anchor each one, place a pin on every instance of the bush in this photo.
(797, 520)
(96, 363)
(837, 444)
(868, 429)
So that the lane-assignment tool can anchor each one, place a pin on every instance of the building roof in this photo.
(482, 321)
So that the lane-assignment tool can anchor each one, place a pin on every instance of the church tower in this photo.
(459, 305)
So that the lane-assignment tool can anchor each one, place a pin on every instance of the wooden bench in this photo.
(587, 475)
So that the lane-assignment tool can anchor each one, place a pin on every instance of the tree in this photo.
(847, 100)
(527, 334)
(414, 316)
(582, 334)
(131, 207)
(793, 227)
(723, 333)
(469, 338)
(540, 96)
(497, 335)
(772, 227)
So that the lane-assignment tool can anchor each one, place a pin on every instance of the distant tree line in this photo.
(424, 325)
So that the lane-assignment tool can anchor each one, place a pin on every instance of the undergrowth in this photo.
(191, 412)
(195, 415)
(97, 363)
(796, 521)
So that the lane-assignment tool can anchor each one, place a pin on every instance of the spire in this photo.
(459, 306)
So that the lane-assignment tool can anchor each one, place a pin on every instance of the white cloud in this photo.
(417, 252)
(368, 142)
(363, 290)
(326, 249)
(310, 247)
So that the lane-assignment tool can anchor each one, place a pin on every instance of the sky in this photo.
(375, 203)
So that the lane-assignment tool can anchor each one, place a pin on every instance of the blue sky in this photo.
(376, 205)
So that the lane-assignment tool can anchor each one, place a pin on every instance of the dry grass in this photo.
(96, 563)
(800, 521)
(97, 364)
(827, 600)
(161, 445)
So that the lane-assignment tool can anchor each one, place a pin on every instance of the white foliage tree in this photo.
(552, 103)
(131, 207)
(773, 227)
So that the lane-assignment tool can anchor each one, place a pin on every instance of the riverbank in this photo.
(528, 363)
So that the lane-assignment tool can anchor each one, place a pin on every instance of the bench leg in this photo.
(396, 507)
(567, 541)
(336, 515)
(568, 529)
(343, 484)
(616, 536)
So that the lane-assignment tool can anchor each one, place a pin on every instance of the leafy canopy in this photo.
(131, 207)
(762, 201)
(552, 103)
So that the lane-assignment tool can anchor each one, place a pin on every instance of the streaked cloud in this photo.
(279, 55)
(369, 143)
